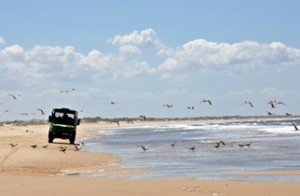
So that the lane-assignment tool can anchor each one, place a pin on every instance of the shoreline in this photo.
(37, 171)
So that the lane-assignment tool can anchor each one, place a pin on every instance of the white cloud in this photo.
(12, 58)
(132, 70)
(2, 41)
(62, 63)
(146, 38)
(202, 55)
(136, 41)
(47, 62)
(129, 49)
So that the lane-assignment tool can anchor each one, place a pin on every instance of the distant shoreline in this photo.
(155, 119)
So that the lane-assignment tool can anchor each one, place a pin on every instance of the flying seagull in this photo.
(168, 105)
(248, 102)
(5, 111)
(42, 111)
(274, 103)
(206, 101)
(190, 107)
(13, 96)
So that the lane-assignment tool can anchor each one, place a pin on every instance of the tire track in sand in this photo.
(8, 155)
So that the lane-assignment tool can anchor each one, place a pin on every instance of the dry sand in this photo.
(38, 171)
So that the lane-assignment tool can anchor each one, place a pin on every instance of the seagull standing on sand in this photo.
(78, 147)
(206, 101)
(33, 146)
(63, 149)
(12, 145)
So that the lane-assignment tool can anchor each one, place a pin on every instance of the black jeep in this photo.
(63, 122)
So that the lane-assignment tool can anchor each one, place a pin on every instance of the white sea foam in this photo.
(279, 130)
(274, 144)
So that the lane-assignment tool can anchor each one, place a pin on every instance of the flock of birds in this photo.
(63, 149)
(273, 104)
(15, 97)
(41, 111)
(217, 144)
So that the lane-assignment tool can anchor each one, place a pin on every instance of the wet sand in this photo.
(35, 171)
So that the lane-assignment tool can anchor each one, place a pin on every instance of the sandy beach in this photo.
(26, 170)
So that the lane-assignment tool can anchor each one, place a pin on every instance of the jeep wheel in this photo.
(50, 139)
(72, 140)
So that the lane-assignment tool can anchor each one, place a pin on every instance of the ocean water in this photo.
(274, 145)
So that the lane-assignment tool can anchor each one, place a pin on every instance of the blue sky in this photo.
(143, 54)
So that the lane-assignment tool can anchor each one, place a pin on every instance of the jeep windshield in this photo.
(65, 118)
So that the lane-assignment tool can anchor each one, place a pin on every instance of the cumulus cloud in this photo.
(61, 63)
(136, 41)
(132, 70)
(201, 55)
(2, 41)
(46, 62)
